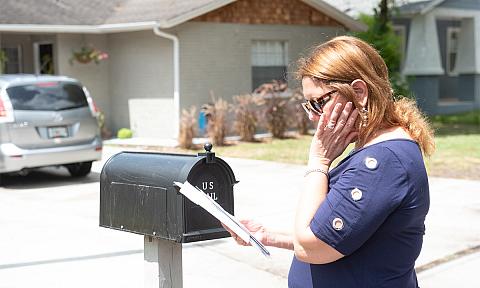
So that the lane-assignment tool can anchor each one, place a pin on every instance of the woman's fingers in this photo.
(333, 116)
(342, 120)
(320, 125)
(349, 123)
(235, 236)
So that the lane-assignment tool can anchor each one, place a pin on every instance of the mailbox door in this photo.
(214, 180)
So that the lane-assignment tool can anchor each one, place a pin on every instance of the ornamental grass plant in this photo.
(246, 120)
(300, 119)
(216, 114)
(275, 111)
(188, 128)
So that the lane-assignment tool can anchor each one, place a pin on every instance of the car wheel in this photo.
(79, 169)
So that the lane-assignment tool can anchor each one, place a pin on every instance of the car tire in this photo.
(79, 169)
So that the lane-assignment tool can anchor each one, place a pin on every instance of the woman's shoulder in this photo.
(384, 154)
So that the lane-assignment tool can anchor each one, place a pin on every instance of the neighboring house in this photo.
(165, 55)
(442, 53)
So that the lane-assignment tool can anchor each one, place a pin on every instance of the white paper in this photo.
(198, 197)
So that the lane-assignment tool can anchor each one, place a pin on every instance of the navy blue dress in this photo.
(374, 214)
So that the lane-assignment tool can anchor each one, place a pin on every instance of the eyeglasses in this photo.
(317, 105)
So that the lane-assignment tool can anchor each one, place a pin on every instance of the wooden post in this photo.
(162, 263)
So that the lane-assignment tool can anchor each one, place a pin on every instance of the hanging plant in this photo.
(87, 54)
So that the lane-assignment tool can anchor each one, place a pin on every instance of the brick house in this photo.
(165, 55)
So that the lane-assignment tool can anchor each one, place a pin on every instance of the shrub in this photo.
(381, 35)
(124, 133)
(216, 114)
(301, 121)
(469, 118)
(275, 112)
(188, 127)
(245, 116)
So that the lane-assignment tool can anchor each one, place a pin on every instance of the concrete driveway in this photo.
(50, 236)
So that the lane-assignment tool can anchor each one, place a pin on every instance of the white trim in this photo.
(336, 14)
(194, 13)
(176, 78)
(91, 29)
(430, 6)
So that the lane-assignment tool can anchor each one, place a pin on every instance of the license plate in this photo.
(57, 132)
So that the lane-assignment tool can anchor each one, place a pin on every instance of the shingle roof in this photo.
(94, 13)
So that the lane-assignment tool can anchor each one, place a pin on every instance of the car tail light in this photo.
(91, 104)
(3, 112)
(6, 109)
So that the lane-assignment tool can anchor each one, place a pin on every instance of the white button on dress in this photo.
(337, 224)
(356, 194)
(371, 163)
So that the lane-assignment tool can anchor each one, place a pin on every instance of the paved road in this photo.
(50, 236)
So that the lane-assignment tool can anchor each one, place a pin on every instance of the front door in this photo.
(43, 58)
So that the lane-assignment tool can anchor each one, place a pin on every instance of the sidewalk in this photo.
(50, 237)
(451, 225)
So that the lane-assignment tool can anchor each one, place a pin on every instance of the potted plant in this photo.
(87, 54)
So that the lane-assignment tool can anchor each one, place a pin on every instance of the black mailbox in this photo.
(137, 194)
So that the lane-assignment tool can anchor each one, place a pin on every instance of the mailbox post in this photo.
(137, 195)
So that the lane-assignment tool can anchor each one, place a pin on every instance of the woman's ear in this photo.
(361, 91)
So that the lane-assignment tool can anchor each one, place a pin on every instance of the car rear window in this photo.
(47, 96)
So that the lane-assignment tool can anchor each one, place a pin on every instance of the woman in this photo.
(360, 224)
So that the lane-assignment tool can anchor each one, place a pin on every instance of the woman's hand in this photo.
(257, 230)
(333, 135)
(266, 237)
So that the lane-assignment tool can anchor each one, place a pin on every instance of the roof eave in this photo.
(87, 29)
(344, 19)
(350, 23)
(430, 6)
(193, 14)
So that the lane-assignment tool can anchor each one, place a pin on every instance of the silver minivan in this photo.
(47, 121)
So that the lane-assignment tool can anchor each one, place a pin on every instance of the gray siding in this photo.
(461, 4)
(93, 76)
(216, 57)
(140, 66)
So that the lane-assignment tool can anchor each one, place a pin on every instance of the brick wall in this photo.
(288, 12)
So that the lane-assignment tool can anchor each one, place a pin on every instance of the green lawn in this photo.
(457, 151)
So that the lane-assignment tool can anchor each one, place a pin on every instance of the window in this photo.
(269, 61)
(47, 96)
(13, 64)
(452, 49)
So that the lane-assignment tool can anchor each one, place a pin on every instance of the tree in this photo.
(380, 34)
